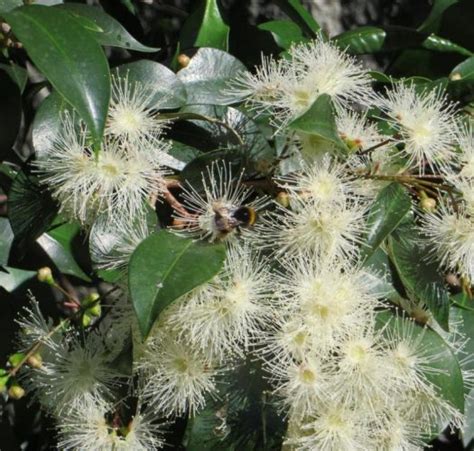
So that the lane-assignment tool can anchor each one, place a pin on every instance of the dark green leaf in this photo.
(14, 277)
(163, 268)
(378, 266)
(419, 275)
(207, 75)
(30, 208)
(374, 39)
(463, 71)
(107, 30)
(6, 238)
(17, 74)
(285, 32)
(10, 113)
(8, 5)
(213, 31)
(431, 23)
(69, 57)
(47, 122)
(58, 244)
(298, 14)
(446, 374)
(389, 209)
(169, 91)
(319, 120)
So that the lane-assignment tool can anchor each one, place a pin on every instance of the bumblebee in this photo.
(228, 219)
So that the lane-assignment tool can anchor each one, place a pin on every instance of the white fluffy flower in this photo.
(451, 234)
(324, 183)
(326, 302)
(222, 318)
(289, 87)
(221, 209)
(74, 375)
(116, 181)
(465, 139)
(131, 117)
(324, 230)
(88, 428)
(111, 247)
(177, 377)
(426, 125)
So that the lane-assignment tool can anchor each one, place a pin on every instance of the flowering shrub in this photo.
(236, 257)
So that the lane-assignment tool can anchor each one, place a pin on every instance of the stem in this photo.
(376, 146)
(12, 372)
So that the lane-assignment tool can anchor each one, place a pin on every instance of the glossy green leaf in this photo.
(464, 70)
(168, 90)
(468, 430)
(8, 5)
(390, 207)
(378, 266)
(163, 268)
(6, 238)
(298, 14)
(420, 275)
(319, 120)
(107, 31)
(431, 23)
(31, 209)
(69, 57)
(10, 114)
(47, 122)
(213, 32)
(12, 278)
(445, 372)
(285, 32)
(375, 39)
(58, 244)
(17, 74)
(207, 75)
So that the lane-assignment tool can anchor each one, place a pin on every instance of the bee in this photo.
(228, 219)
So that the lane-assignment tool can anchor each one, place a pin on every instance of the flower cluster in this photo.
(295, 292)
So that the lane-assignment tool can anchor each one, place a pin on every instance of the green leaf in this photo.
(10, 114)
(445, 374)
(108, 31)
(207, 75)
(17, 74)
(298, 14)
(31, 209)
(8, 5)
(468, 429)
(285, 32)
(431, 23)
(69, 57)
(390, 207)
(319, 120)
(375, 39)
(464, 70)
(168, 90)
(419, 275)
(163, 268)
(58, 244)
(47, 122)
(14, 277)
(213, 31)
(6, 238)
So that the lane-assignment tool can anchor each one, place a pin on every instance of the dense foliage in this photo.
(214, 246)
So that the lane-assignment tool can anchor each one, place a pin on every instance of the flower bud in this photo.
(15, 391)
(35, 361)
(183, 60)
(86, 320)
(283, 199)
(455, 76)
(427, 203)
(91, 299)
(45, 275)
